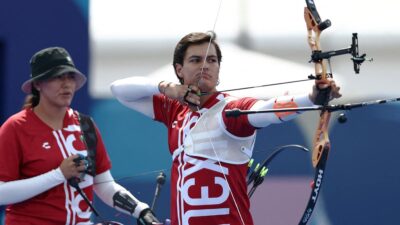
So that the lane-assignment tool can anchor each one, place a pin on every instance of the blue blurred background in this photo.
(362, 181)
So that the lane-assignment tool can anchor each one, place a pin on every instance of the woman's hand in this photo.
(70, 168)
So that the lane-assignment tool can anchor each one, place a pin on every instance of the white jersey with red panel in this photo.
(31, 148)
(199, 192)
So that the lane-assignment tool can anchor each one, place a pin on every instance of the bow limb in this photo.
(321, 143)
(314, 28)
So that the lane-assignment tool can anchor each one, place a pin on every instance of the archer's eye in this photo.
(195, 59)
(71, 76)
(68, 76)
(212, 60)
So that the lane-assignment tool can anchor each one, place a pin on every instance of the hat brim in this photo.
(80, 79)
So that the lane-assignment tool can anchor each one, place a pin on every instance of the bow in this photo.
(321, 143)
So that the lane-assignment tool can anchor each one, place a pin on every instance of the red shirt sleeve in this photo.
(10, 153)
(239, 126)
(165, 108)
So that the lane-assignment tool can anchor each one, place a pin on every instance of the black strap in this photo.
(90, 139)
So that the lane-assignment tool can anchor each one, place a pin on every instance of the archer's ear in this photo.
(178, 69)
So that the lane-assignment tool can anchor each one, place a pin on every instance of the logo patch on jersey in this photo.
(174, 124)
(46, 145)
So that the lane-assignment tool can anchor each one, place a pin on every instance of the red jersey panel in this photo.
(199, 191)
(28, 148)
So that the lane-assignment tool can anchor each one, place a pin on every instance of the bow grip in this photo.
(323, 96)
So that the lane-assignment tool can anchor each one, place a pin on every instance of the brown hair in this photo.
(195, 38)
(32, 100)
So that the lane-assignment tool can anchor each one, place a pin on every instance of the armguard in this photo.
(125, 202)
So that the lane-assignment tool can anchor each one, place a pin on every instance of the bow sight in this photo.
(317, 55)
(357, 59)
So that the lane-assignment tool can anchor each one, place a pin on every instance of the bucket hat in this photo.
(52, 62)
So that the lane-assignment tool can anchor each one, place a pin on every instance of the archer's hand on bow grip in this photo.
(324, 91)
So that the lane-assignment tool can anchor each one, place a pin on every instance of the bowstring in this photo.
(200, 114)
(209, 43)
(132, 176)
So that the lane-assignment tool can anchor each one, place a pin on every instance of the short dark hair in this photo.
(194, 38)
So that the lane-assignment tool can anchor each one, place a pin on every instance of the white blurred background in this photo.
(132, 37)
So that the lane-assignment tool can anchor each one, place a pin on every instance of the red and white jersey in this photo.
(28, 148)
(199, 192)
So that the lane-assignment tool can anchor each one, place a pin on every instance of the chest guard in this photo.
(210, 139)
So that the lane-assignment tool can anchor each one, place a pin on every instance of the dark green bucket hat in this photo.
(52, 62)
